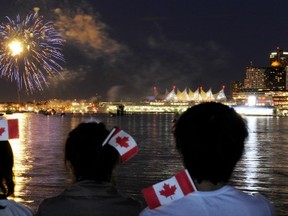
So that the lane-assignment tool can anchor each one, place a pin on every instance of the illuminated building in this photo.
(272, 78)
(279, 58)
(269, 84)
(255, 78)
(276, 75)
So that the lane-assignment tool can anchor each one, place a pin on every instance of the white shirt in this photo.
(226, 201)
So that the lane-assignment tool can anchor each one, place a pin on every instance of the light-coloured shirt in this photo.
(12, 208)
(226, 201)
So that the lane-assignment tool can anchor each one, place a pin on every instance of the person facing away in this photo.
(210, 138)
(92, 164)
(9, 207)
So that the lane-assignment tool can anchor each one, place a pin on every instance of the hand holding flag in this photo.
(169, 190)
(123, 143)
(9, 129)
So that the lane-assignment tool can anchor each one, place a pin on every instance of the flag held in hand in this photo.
(123, 143)
(169, 190)
(9, 129)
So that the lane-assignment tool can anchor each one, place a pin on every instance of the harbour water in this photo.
(40, 171)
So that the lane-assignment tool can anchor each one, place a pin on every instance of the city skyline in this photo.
(122, 49)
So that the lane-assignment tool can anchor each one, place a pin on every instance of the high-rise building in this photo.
(279, 58)
(255, 78)
(269, 85)
(276, 75)
(275, 78)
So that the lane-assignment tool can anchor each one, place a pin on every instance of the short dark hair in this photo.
(6, 170)
(84, 150)
(210, 137)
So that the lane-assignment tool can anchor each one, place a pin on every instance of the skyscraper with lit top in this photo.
(276, 75)
(279, 58)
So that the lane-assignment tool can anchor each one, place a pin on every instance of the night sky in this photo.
(121, 49)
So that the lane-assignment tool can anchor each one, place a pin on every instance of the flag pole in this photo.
(109, 136)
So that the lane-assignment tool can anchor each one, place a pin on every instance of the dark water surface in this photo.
(40, 171)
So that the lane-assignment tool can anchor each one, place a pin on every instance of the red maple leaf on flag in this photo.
(168, 190)
(2, 130)
(123, 141)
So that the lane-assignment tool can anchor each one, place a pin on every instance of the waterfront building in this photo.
(262, 98)
(255, 78)
(235, 86)
(175, 101)
(272, 78)
(264, 82)
(199, 95)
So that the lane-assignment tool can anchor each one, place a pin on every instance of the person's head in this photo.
(84, 151)
(210, 137)
(6, 170)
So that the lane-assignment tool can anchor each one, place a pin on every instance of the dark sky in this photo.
(128, 46)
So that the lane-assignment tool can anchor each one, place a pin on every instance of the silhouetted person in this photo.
(9, 207)
(210, 137)
(92, 165)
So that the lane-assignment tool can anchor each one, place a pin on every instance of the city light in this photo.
(252, 100)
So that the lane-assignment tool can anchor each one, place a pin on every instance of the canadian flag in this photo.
(9, 129)
(123, 143)
(169, 190)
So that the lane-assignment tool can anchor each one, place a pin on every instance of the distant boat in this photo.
(47, 112)
(9, 112)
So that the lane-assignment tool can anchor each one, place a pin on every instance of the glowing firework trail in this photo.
(30, 51)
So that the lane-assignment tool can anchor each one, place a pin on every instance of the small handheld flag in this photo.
(9, 129)
(123, 143)
(169, 190)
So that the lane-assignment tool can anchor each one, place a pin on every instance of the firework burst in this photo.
(30, 51)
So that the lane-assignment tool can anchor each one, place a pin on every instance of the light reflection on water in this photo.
(263, 167)
(251, 165)
(40, 171)
(21, 167)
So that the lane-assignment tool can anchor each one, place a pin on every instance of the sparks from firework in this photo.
(30, 51)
